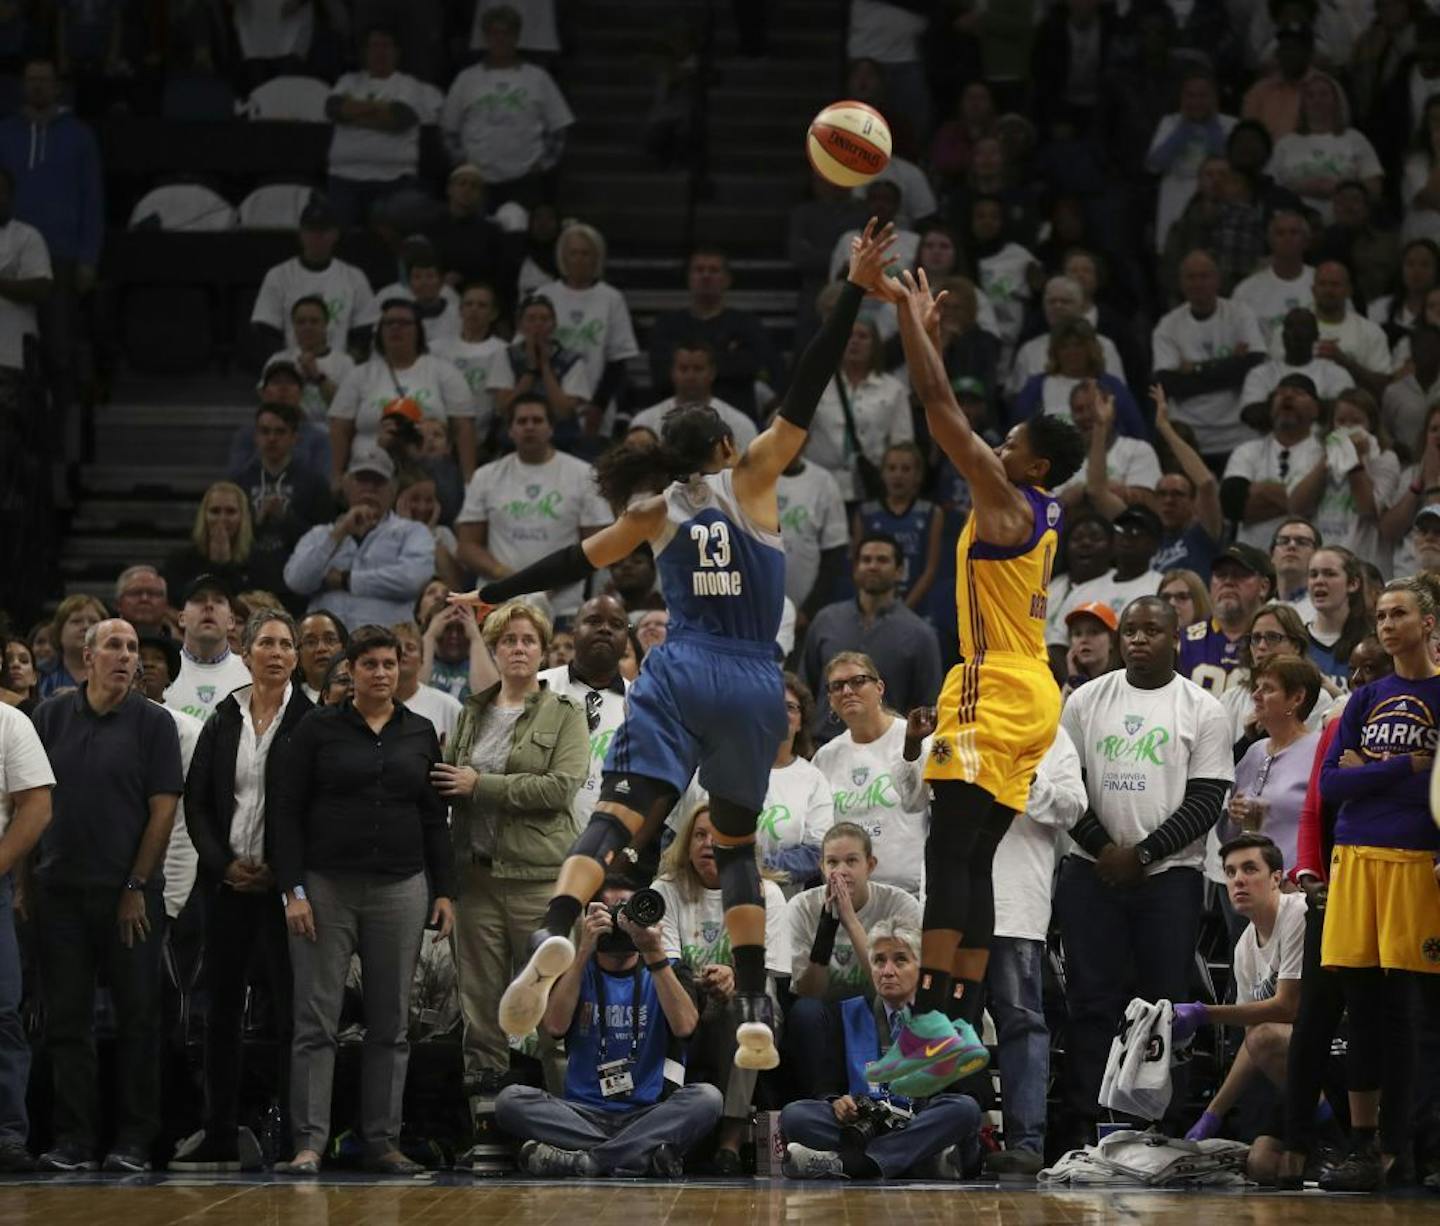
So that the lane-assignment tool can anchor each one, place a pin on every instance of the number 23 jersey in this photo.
(721, 573)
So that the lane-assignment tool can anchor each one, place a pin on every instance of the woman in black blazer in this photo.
(232, 774)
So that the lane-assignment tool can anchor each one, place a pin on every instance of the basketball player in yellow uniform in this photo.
(998, 710)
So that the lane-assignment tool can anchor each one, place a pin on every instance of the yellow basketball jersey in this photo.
(1001, 592)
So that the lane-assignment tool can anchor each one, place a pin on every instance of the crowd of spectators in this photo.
(1207, 236)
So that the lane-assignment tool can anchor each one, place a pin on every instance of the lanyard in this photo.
(634, 1013)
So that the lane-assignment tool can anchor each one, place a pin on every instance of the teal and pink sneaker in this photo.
(969, 1056)
(920, 1041)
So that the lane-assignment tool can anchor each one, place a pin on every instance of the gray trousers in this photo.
(620, 1142)
(382, 919)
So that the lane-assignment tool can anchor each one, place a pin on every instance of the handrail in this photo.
(698, 180)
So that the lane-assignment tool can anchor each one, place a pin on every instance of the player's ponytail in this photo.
(687, 444)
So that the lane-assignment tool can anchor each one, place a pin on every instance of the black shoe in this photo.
(1018, 1164)
(68, 1156)
(727, 1164)
(1362, 1170)
(212, 1154)
(15, 1159)
(127, 1160)
(666, 1163)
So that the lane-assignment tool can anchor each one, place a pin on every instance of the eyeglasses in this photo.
(855, 683)
(1300, 542)
(1284, 463)
(323, 640)
(1271, 638)
(593, 701)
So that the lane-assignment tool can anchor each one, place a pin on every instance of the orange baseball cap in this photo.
(1102, 613)
(405, 406)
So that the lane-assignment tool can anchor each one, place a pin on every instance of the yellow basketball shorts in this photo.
(996, 719)
(1383, 910)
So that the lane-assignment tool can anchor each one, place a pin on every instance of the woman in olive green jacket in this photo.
(517, 757)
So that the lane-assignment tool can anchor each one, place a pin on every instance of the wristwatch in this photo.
(298, 894)
(135, 883)
(1145, 856)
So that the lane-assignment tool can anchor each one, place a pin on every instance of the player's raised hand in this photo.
(472, 598)
(916, 290)
(869, 254)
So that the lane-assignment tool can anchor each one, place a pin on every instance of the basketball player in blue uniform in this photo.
(711, 696)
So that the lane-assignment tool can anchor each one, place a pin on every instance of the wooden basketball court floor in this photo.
(446, 1200)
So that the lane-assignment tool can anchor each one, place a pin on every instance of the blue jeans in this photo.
(949, 1119)
(1013, 994)
(14, 1046)
(1122, 942)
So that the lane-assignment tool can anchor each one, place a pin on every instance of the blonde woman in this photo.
(519, 754)
(593, 319)
(221, 540)
(694, 933)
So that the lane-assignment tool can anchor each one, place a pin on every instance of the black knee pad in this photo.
(602, 838)
(739, 875)
(732, 820)
(641, 793)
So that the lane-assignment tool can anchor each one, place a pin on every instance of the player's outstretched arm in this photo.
(578, 562)
(771, 452)
(1003, 517)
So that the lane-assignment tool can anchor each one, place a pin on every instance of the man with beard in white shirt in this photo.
(1024, 876)
(1299, 355)
(525, 506)
(353, 311)
(1286, 284)
(1202, 352)
(1260, 474)
(1157, 758)
(209, 670)
(692, 372)
(1347, 337)
(875, 769)
(593, 680)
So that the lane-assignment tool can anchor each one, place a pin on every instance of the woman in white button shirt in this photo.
(225, 802)
(879, 407)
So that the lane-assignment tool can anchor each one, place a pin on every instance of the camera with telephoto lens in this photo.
(645, 908)
(873, 1118)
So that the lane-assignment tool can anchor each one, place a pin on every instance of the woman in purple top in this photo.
(1271, 779)
(1382, 922)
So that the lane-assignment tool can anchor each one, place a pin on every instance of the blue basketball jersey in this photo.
(721, 574)
(911, 530)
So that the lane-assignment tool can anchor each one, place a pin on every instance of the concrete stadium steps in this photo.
(758, 110)
(195, 432)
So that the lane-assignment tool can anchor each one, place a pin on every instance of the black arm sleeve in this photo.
(1090, 834)
(1192, 820)
(817, 365)
(564, 566)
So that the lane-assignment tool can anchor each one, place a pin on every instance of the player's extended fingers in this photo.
(907, 279)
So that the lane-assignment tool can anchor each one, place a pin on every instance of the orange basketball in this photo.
(848, 143)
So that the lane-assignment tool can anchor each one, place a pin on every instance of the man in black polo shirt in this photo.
(98, 897)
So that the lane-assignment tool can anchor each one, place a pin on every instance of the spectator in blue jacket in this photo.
(56, 167)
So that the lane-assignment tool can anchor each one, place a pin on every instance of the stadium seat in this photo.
(276, 206)
(294, 99)
(183, 206)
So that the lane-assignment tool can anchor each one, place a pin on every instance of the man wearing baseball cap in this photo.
(368, 567)
(209, 670)
(315, 271)
(1424, 540)
(1242, 578)
(1261, 473)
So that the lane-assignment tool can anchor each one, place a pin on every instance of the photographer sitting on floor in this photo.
(868, 1133)
(619, 1007)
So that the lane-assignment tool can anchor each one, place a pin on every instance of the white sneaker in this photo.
(523, 1004)
(802, 1162)
(755, 1046)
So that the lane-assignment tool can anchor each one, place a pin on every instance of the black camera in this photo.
(645, 908)
(874, 1118)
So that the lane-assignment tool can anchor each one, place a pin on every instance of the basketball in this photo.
(848, 143)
